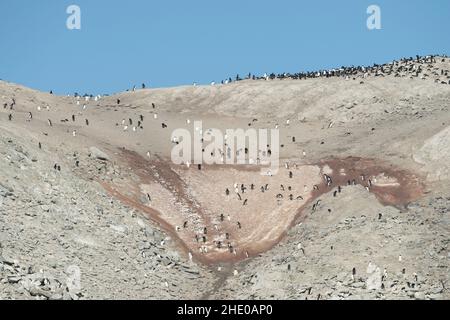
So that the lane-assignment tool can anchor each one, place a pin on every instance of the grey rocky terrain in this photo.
(96, 210)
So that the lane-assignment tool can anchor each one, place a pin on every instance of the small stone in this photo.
(419, 296)
(98, 154)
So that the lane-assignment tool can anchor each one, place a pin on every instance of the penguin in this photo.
(50, 123)
(118, 101)
(40, 145)
(87, 122)
(245, 202)
(10, 117)
(239, 225)
(73, 118)
(30, 115)
(227, 192)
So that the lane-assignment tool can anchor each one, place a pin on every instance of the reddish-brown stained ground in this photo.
(408, 189)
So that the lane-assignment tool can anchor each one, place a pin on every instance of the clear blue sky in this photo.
(174, 42)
